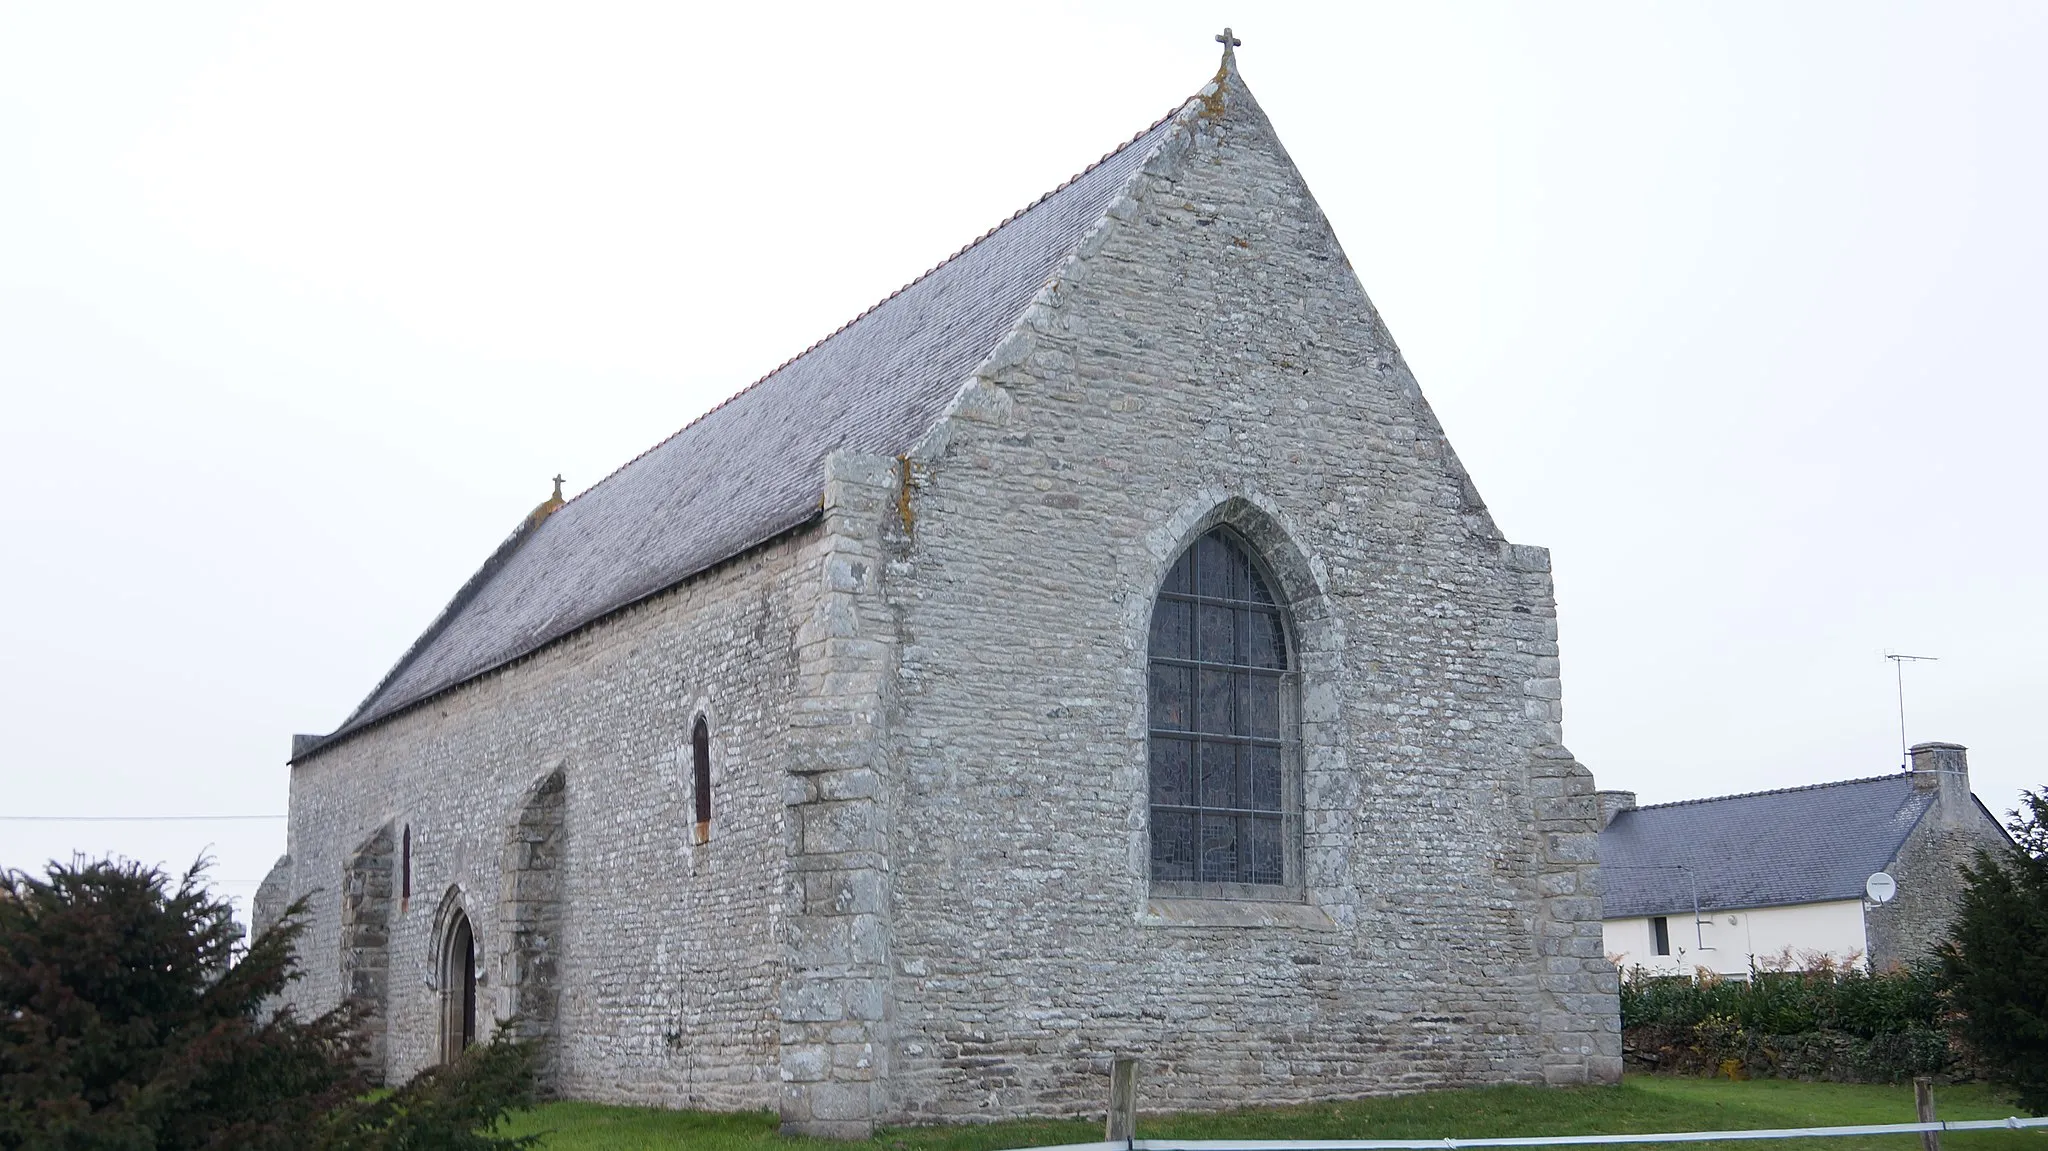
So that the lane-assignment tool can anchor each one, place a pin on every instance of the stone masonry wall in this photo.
(1211, 359)
(668, 955)
(273, 897)
(1929, 866)
(367, 890)
(532, 911)
(836, 998)
(1581, 1022)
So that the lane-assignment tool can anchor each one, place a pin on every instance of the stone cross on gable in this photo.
(1229, 42)
(558, 487)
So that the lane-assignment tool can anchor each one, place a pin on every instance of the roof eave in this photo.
(359, 722)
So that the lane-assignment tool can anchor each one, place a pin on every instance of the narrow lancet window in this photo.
(405, 870)
(1223, 788)
(700, 755)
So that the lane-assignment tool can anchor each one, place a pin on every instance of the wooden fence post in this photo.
(1122, 1125)
(1923, 1103)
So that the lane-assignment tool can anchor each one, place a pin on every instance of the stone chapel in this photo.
(1093, 649)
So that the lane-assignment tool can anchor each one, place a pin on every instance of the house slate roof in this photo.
(753, 467)
(1764, 849)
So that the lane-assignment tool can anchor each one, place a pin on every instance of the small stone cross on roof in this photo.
(558, 486)
(1229, 42)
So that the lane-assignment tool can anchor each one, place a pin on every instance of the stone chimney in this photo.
(1613, 803)
(1944, 768)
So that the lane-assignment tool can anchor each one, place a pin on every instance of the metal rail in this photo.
(2013, 1123)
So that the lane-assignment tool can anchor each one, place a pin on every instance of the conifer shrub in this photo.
(1996, 960)
(127, 1020)
(132, 1020)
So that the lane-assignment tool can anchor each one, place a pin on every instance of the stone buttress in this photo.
(836, 1000)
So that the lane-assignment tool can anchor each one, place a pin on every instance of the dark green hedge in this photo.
(1845, 1025)
(1719, 1048)
(1859, 1003)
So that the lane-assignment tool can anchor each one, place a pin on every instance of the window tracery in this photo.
(1224, 812)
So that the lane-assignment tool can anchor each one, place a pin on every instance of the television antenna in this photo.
(1692, 882)
(1899, 672)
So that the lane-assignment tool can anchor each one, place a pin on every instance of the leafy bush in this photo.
(1996, 960)
(454, 1107)
(1720, 1046)
(1824, 998)
(1828, 1022)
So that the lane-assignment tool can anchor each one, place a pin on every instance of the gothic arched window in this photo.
(1223, 806)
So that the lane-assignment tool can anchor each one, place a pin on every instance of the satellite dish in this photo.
(1880, 888)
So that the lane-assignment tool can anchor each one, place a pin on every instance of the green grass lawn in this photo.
(1643, 1103)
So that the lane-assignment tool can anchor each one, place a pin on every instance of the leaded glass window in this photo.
(1222, 802)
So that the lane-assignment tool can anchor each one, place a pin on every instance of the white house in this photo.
(1759, 880)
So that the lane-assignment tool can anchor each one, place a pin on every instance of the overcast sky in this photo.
(1735, 307)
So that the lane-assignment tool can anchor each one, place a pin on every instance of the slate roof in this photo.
(1764, 849)
(752, 468)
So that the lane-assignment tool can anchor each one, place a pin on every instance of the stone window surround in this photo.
(1317, 642)
(700, 777)
(701, 709)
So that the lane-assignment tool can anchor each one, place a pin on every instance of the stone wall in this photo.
(273, 897)
(1929, 866)
(1581, 1018)
(1211, 359)
(533, 910)
(1929, 870)
(668, 955)
(836, 1001)
(367, 890)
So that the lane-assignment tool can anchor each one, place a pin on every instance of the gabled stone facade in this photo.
(1928, 867)
(926, 892)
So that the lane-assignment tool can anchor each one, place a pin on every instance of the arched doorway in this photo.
(458, 989)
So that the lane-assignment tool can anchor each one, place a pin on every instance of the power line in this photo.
(128, 818)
